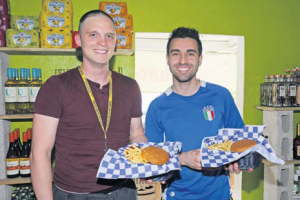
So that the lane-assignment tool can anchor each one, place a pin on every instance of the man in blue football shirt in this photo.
(188, 111)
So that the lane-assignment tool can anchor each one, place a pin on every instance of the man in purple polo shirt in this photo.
(83, 112)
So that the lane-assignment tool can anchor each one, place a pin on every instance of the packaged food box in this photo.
(59, 6)
(24, 22)
(22, 38)
(123, 22)
(56, 39)
(113, 8)
(55, 21)
(124, 40)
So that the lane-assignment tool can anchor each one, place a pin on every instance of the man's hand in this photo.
(234, 168)
(190, 159)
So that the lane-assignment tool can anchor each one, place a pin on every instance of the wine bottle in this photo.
(23, 93)
(24, 158)
(35, 86)
(10, 88)
(12, 159)
(16, 145)
(296, 144)
(29, 137)
(19, 140)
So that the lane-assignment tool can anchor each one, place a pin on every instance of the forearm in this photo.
(139, 139)
(41, 175)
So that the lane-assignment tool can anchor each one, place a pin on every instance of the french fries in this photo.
(134, 155)
(222, 146)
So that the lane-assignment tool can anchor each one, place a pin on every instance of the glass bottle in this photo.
(276, 91)
(12, 159)
(270, 91)
(23, 93)
(16, 142)
(296, 185)
(29, 130)
(34, 86)
(286, 84)
(10, 96)
(296, 144)
(293, 90)
(24, 158)
(263, 92)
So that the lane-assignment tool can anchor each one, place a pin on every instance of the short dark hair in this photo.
(92, 13)
(183, 32)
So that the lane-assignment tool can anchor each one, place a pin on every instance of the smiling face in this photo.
(97, 40)
(183, 59)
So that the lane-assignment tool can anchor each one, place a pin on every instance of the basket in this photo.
(251, 160)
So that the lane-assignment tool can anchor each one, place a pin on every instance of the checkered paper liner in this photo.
(215, 158)
(115, 165)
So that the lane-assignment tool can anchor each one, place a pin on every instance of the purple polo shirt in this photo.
(79, 139)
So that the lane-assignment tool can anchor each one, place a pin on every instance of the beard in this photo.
(184, 78)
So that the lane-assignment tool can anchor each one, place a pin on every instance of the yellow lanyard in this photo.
(87, 86)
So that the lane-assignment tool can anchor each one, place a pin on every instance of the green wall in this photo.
(271, 29)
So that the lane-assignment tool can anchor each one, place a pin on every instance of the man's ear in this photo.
(78, 39)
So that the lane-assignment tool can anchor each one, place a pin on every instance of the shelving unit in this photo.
(56, 52)
(278, 179)
(14, 181)
(5, 120)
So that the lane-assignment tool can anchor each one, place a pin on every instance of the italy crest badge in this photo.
(209, 113)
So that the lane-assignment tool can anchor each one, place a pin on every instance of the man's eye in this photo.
(92, 35)
(191, 54)
(110, 36)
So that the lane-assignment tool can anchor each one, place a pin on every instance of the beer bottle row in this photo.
(17, 157)
(21, 91)
(23, 192)
(281, 90)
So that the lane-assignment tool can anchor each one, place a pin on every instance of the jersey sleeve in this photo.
(153, 129)
(49, 98)
(233, 118)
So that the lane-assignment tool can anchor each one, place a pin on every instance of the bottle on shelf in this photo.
(17, 146)
(296, 144)
(23, 93)
(296, 185)
(10, 96)
(34, 86)
(293, 90)
(29, 130)
(263, 91)
(19, 140)
(12, 159)
(24, 158)
(270, 91)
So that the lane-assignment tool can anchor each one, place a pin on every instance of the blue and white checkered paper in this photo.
(215, 158)
(115, 165)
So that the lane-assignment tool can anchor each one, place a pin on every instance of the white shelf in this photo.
(57, 52)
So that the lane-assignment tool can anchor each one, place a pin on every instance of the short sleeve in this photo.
(153, 129)
(233, 118)
(49, 98)
(136, 110)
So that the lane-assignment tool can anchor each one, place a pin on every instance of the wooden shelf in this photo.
(287, 162)
(17, 116)
(55, 52)
(14, 181)
(277, 108)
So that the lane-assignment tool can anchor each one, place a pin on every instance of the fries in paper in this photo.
(222, 146)
(134, 155)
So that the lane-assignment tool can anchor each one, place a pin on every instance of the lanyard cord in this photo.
(87, 86)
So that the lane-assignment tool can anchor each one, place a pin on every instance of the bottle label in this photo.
(56, 39)
(56, 21)
(112, 9)
(120, 22)
(25, 24)
(282, 91)
(23, 94)
(293, 91)
(10, 94)
(24, 166)
(121, 40)
(22, 39)
(298, 150)
(56, 6)
(33, 93)
(12, 166)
